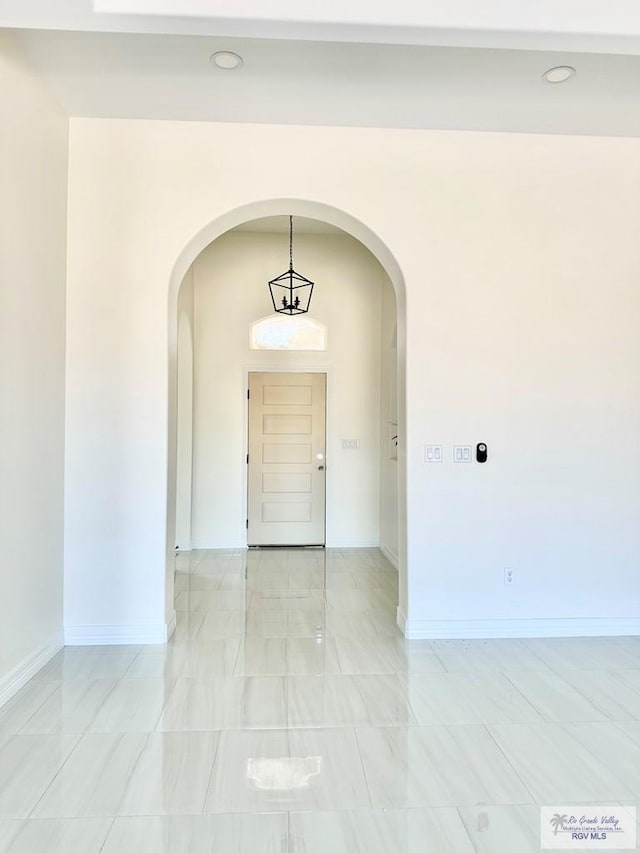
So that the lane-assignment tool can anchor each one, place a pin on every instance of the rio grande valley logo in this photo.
(590, 827)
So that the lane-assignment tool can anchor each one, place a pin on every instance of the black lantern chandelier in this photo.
(291, 292)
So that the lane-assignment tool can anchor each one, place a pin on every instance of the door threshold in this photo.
(286, 547)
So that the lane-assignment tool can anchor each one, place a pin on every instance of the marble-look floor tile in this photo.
(454, 698)
(630, 677)
(608, 691)
(503, 829)
(198, 704)
(227, 600)
(258, 656)
(187, 660)
(125, 650)
(134, 705)
(252, 772)
(87, 666)
(28, 764)
(487, 656)
(556, 767)
(287, 687)
(57, 836)
(377, 831)
(222, 564)
(172, 774)
(351, 626)
(355, 600)
(300, 656)
(93, 781)
(230, 581)
(632, 730)
(207, 583)
(380, 656)
(238, 833)
(71, 707)
(385, 620)
(312, 599)
(19, 710)
(281, 771)
(419, 654)
(181, 582)
(292, 582)
(189, 601)
(631, 644)
(615, 749)
(349, 561)
(186, 559)
(582, 653)
(376, 579)
(133, 773)
(437, 766)
(221, 624)
(187, 626)
(347, 700)
(340, 580)
(307, 656)
(8, 831)
(285, 624)
(555, 698)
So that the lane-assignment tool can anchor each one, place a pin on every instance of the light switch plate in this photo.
(462, 453)
(350, 443)
(433, 453)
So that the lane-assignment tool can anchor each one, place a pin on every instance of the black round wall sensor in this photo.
(481, 452)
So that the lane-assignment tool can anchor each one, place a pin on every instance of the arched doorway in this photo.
(364, 235)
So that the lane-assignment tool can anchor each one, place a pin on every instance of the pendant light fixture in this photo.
(291, 291)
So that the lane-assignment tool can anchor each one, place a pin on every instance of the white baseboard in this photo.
(391, 556)
(465, 629)
(17, 677)
(118, 635)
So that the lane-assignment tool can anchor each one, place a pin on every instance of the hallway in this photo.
(288, 715)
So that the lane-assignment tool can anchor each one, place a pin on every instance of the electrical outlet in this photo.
(509, 577)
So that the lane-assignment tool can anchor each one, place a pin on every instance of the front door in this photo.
(286, 501)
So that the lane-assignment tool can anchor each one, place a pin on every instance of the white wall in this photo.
(520, 259)
(184, 414)
(33, 177)
(230, 293)
(389, 427)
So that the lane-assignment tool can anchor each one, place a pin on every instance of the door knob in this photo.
(320, 467)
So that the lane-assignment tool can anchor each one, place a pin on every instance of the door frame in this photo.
(280, 368)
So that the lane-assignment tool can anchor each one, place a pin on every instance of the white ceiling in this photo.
(574, 25)
(157, 66)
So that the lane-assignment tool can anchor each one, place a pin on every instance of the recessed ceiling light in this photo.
(226, 59)
(559, 74)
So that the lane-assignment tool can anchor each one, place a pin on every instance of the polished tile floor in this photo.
(288, 715)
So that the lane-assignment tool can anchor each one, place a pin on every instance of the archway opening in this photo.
(252, 233)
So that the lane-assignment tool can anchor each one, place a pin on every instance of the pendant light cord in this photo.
(291, 242)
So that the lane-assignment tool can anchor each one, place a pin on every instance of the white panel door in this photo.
(286, 503)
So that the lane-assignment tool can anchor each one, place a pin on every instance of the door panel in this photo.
(286, 424)
(289, 453)
(286, 502)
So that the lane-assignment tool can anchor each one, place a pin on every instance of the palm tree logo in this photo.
(557, 822)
